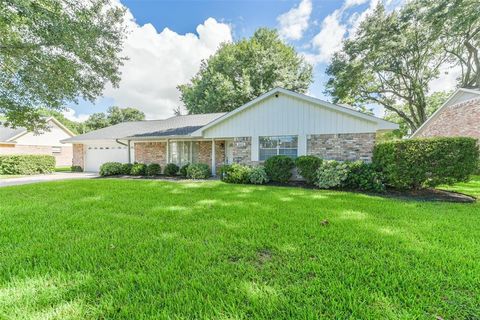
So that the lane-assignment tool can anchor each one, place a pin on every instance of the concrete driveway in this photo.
(46, 177)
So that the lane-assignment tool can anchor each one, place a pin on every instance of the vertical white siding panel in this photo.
(302, 145)
(255, 147)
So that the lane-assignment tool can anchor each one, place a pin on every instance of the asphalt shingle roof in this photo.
(174, 126)
(8, 133)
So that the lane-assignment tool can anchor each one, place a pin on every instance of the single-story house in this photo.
(22, 141)
(459, 116)
(279, 122)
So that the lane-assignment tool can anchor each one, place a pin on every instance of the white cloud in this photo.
(329, 39)
(292, 24)
(71, 114)
(160, 61)
(353, 3)
(447, 80)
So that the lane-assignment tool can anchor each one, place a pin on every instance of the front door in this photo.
(229, 151)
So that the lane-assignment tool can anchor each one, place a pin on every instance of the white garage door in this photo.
(98, 154)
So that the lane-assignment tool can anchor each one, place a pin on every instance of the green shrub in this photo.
(279, 168)
(26, 164)
(257, 175)
(127, 168)
(235, 173)
(183, 170)
(420, 163)
(307, 167)
(111, 169)
(332, 174)
(171, 169)
(198, 171)
(153, 169)
(478, 168)
(138, 169)
(364, 176)
(76, 169)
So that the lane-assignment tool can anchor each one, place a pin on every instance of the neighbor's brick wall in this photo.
(64, 158)
(458, 120)
(242, 150)
(151, 152)
(342, 147)
(78, 158)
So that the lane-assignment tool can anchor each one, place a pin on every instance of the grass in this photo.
(63, 169)
(125, 249)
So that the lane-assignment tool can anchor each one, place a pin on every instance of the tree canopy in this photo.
(241, 71)
(56, 51)
(114, 115)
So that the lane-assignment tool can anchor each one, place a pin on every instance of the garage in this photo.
(99, 153)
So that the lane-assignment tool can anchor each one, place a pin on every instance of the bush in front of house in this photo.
(307, 167)
(420, 163)
(26, 164)
(127, 168)
(364, 176)
(279, 168)
(111, 169)
(153, 169)
(198, 171)
(138, 169)
(235, 173)
(332, 174)
(257, 175)
(183, 170)
(171, 169)
(76, 169)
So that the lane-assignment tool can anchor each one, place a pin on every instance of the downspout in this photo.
(128, 147)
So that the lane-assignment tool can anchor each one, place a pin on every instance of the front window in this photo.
(279, 145)
(182, 152)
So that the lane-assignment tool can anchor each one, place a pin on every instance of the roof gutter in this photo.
(123, 144)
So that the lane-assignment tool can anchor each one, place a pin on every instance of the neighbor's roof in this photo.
(147, 129)
(10, 134)
(383, 124)
(452, 100)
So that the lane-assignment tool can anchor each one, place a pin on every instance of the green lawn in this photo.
(108, 248)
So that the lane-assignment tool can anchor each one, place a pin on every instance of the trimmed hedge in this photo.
(332, 174)
(198, 171)
(279, 168)
(127, 168)
(76, 169)
(364, 176)
(420, 163)
(171, 169)
(235, 173)
(307, 167)
(153, 169)
(258, 175)
(111, 169)
(183, 170)
(138, 169)
(26, 164)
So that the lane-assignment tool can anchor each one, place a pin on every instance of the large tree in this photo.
(114, 115)
(458, 24)
(55, 51)
(390, 61)
(239, 72)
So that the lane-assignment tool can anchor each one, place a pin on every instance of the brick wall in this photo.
(342, 147)
(205, 153)
(462, 119)
(78, 158)
(151, 152)
(242, 150)
(63, 158)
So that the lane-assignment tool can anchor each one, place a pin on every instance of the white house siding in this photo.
(47, 138)
(287, 115)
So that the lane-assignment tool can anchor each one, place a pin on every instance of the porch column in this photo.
(168, 151)
(214, 171)
(129, 152)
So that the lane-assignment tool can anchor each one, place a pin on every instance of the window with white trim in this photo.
(56, 149)
(278, 145)
(182, 152)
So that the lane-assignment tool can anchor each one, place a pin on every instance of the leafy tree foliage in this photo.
(114, 115)
(54, 51)
(457, 23)
(241, 71)
(390, 62)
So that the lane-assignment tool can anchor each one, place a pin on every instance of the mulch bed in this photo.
(430, 195)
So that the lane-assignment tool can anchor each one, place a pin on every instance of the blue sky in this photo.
(168, 40)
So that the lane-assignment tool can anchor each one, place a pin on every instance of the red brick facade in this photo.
(462, 119)
(342, 147)
(78, 158)
(151, 152)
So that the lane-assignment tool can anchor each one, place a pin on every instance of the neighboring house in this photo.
(278, 122)
(459, 116)
(22, 141)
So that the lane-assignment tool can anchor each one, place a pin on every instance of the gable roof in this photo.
(147, 129)
(455, 95)
(10, 134)
(383, 124)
